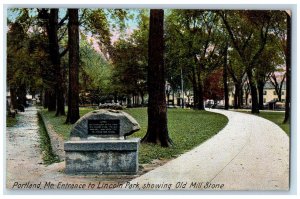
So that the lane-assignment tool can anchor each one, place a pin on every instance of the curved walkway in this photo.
(250, 153)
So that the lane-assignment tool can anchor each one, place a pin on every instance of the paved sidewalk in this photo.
(250, 153)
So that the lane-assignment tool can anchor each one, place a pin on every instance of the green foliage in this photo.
(194, 44)
(130, 60)
(25, 55)
(96, 22)
(187, 128)
(250, 33)
(269, 61)
(95, 70)
(100, 23)
(48, 156)
(10, 121)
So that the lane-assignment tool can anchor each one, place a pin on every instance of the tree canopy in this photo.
(201, 48)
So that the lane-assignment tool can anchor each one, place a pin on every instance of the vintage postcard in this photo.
(141, 99)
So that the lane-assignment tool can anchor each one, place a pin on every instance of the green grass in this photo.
(58, 123)
(276, 117)
(187, 129)
(48, 156)
(10, 122)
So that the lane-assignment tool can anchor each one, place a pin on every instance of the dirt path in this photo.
(25, 168)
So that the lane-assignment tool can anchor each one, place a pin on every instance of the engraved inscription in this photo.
(104, 127)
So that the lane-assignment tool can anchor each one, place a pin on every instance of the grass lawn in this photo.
(58, 123)
(48, 156)
(187, 129)
(276, 117)
(10, 122)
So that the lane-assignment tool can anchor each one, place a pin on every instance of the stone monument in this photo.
(98, 144)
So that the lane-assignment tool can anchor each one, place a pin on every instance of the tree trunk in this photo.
(129, 102)
(195, 89)
(21, 93)
(46, 98)
(173, 95)
(237, 92)
(253, 90)
(133, 100)
(51, 100)
(73, 43)
(196, 95)
(142, 97)
(288, 70)
(55, 59)
(13, 98)
(198, 90)
(201, 95)
(241, 94)
(138, 99)
(157, 131)
(225, 78)
(279, 95)
(260, 87)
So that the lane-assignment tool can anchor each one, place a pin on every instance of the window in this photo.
(265, 100)
(282, 92)
(283, 100)
(274, 93)
(265, 92)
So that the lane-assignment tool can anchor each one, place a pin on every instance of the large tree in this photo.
(157, 131)
(94, 74)
(73, 44)
(194, 45)
(55, 31)
(55, 58)
(249, 37)
(129, 72)
(267, 66)
(25, 58)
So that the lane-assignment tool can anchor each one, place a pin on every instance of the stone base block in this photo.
(102, 156)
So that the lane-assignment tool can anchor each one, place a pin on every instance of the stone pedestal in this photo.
(102, 156)
(98, 144)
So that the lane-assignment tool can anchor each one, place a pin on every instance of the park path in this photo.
(249, 153)
(24, 162)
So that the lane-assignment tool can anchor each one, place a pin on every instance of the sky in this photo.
(131, 24)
